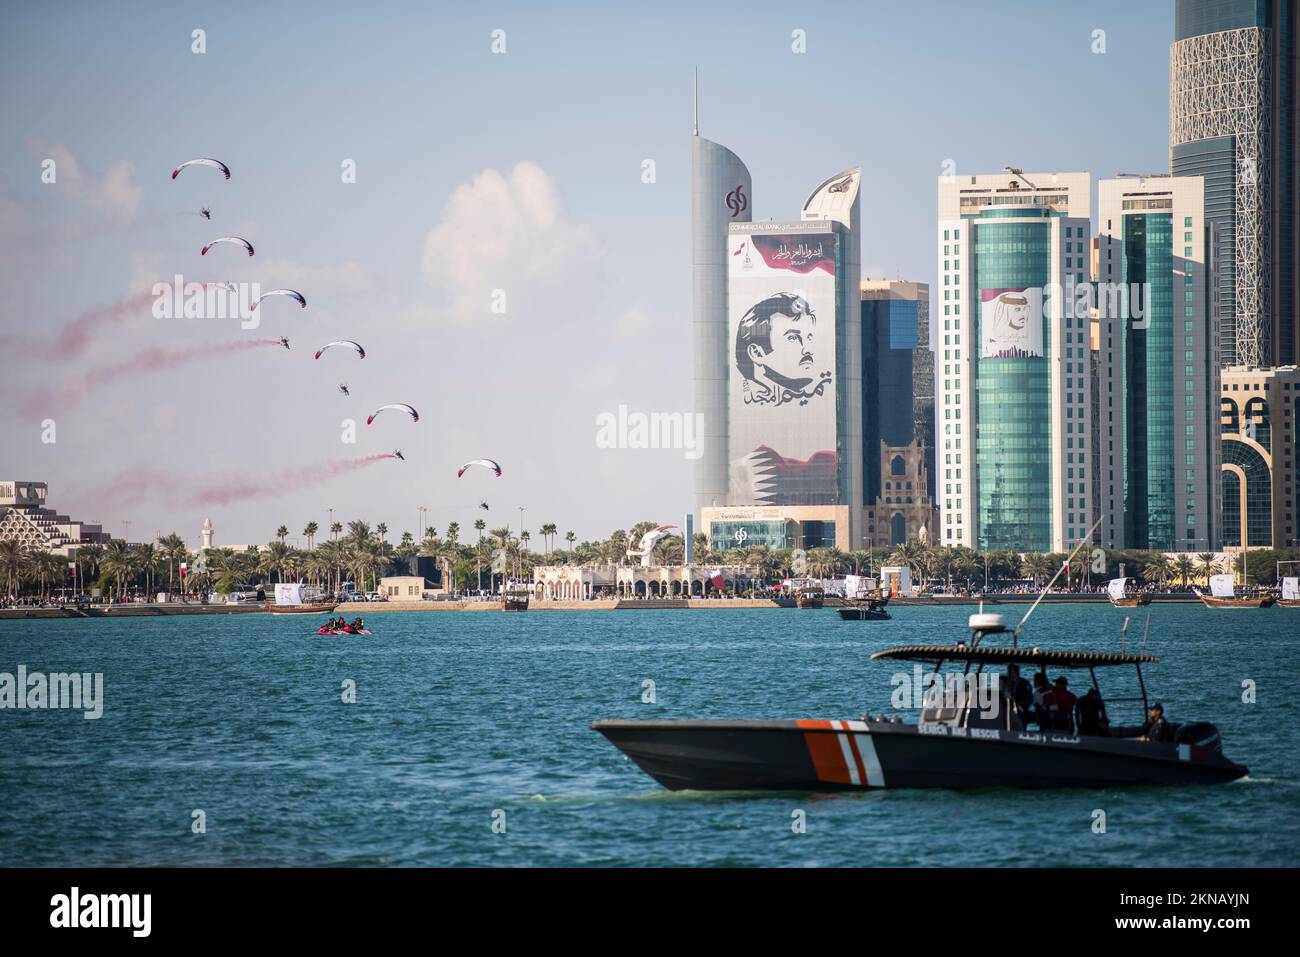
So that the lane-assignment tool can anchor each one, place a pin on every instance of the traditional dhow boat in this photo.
(515, 598)
(296, 598)
(810, 597)
(1119, 595)
(952, 746)
(1223, 595)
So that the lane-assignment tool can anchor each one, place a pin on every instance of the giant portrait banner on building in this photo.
(1011, 323)
(782, 328)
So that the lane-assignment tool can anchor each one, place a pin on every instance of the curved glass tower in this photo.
(1013, 392)
(721, 193)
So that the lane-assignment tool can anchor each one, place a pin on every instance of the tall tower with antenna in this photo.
(721, 193)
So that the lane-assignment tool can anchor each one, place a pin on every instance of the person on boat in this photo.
(1019, 691)
(1060, 703)
(1091, 714)
(358, 624)
(1042, 689)
(1156, 727)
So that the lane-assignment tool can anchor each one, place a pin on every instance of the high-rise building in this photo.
(1013, 404)
(897, 372)
(1260, 416)
(1158, 373)
(897, 411)
(721, 193)
(794, 367)
(1233, 120)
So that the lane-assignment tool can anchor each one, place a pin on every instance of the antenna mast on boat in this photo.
(1123, 634)
(1015, 639)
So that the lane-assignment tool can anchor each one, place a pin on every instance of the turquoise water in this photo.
(460, 715)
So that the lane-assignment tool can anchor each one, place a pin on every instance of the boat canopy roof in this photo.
(1004, 656)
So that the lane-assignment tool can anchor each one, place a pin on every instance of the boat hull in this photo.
(863, 614)
(856, 755)
(1211, 602)
(320, 609)
(1135, 602)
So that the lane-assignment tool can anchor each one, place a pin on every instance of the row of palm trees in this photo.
(363, 554)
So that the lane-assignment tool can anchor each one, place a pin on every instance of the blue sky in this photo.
(596, 266)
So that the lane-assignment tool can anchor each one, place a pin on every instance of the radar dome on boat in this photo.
(987, 622)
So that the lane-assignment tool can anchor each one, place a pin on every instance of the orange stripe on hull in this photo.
(824, 749)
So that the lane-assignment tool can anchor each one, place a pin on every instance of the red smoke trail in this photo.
(287, 480)
(76, 334)
(145, 485)
(154, 359)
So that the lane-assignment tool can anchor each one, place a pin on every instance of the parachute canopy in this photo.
(346, 343)
(203, 161)
(228, 239)
(485, 463)
(397, 406)
(280, 292)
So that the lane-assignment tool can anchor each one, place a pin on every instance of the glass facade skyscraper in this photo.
(1012, 362)
(1233, 121)
(1157, 370)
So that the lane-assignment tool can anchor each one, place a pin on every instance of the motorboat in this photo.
(864, 609)
(955, 744)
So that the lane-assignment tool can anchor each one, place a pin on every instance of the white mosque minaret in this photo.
(207, 533)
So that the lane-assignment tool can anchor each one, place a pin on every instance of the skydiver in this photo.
(483, 505)
(398, 453)
(205, 213)
(343, 387)
(284, 341)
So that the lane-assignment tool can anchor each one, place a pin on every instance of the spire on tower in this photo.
(696, 130)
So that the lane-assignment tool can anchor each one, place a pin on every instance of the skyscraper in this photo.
(721, 193)
(1012, 417)
(1158, 372)
(1233, 120)
(898, 374)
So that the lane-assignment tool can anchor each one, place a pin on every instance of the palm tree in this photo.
(118, 563)
(309, 532)
(382, 531)
(88, 559)
(1207, 566)
(1157, 568)
(336, 528)
(479, 525)
(173, 549)
(12, 564)
(1184, 568)
(548, 532)
(453, 533)
(282, 532)
(912, 554)
(570, 537)
(502, 535)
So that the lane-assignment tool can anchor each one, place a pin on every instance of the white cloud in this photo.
(114, 196)
(506, 233)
